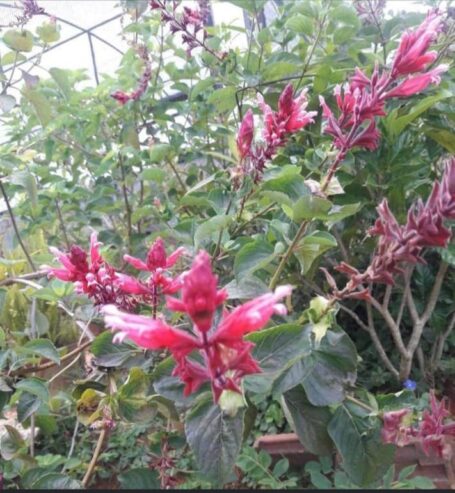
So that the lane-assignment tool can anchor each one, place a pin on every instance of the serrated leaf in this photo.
(34, 386)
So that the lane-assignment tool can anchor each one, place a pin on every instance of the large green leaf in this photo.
(396, 124)
(365, 458)
(11, 443)
(18, 40)
(34, 386)
(131, 398)
(253, 256)
(311, 207)
(334, 363)
(308, 421)
(279, 352)
(215, 438)
(223, 99)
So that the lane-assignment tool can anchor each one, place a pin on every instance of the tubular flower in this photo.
(92, 276)
(362, 99)
(400, 244)
(226, 357)
(278, 125)
(412, 55)
(158, 283)
(429, 431)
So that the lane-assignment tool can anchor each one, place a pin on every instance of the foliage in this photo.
(197, 143)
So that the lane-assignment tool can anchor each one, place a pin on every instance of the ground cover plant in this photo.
(218, 242)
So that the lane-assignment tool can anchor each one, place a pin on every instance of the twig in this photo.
(16, 230)
(288, 253)
(177, 174)
(49, 364)
(95, 456)
(13, 280)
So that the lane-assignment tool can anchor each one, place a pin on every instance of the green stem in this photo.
(288, 253)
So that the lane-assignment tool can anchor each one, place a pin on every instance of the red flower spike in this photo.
(200, 297)
(227, 357)
(93, 277)
(412, 55)
(417, 83)
(245, 135)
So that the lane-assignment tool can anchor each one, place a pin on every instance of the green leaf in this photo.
(208, 228)
(311, 207)
(27, 405)
(300, 24)
(132, 401)
(313, 246)
(215, 438)
(160, 153)
(11, 443)
(11, 57)
(40, 104)
(277, 70)
(308, 421)
(48, 32)
(27, 180)
(278, 351)
(246, 288)
(18, 40)
(223, 99)
(42, 347)
(56, 481)
(34, 386)
(155, 174)
(109, 354)
(351, 433)
(339, 212)
(397, 124)
(253, 256)
(200, 87)
(61, 78)
(140, 478)
(443, 137)
(334, 367)
(406, 471)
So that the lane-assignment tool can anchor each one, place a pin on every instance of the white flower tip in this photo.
(55, 251)
(283, 291)
(280, 309)
(110, 310)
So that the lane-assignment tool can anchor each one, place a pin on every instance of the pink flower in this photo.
(226, 357)
(412, 55)
(393, 430)
(147, 332)
(245, 135)
(417, 83)
(121, 96)
(93, 277)
(156, 258)
(200, 297)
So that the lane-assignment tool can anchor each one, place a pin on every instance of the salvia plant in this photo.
(265, 221)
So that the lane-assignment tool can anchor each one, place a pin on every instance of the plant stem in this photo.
(16, 230)
(177, 174)
(62, 225)
(361, 404)
(288, 253)
(95, 456)
(127, 203)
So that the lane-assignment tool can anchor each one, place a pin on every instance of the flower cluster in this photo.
(30, 8)
(429, 431)
(278, 125)
(156, 262)
(91, 275)
(224, 356)
(363, 98)
(123, 97)
(190, 23)
(400, 244)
